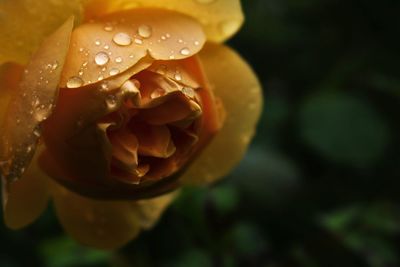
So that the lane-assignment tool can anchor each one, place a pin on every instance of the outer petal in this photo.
(32, 103)
(220, 18)
(25, 23)
(124, 38)
(237, 86)
(10, 75)
(105, 224)
(25, 200)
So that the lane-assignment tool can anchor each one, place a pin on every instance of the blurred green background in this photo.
(320, 185)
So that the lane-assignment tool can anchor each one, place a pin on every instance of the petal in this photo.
(25, 200)
(220, 18)
(10, 75)
(95, 223)
(32, 103)
(237, 86)
(149, 211)
(106, 224)
(25, 23)
(80, 143)
(116, 42)
(154, 140)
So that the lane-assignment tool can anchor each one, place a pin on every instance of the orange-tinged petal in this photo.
(25, 23)
(25, 200)
(79, 143)
(150, 210)
(95, 223)
(220, 18)
(178, 70)
(10, 75)
(32, 103)
(114, 43)
(154, 140)
(106, 224)
(237, 86)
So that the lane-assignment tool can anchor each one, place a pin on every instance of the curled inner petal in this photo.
(131, 139)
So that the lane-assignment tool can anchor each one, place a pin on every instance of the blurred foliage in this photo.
(320, 185)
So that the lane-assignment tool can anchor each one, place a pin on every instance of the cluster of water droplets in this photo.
(122, 39)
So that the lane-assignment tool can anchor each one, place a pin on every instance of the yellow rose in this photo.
(117, 109)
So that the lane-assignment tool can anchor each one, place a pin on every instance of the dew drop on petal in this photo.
(118, 59)
(114, 71)
(97, 42)
(108, 28)
(185, 51)
(178, 76)
(111, 101)
(101, 59)
(74, 82)
(55, 65)
(122, 39)
(145, 31)
(138, 41)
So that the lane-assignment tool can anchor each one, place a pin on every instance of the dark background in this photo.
(320, 185)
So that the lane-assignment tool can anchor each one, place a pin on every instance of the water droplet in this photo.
(108, 28)
(37, 132)
(196, 43)
(100, 78)
(163, 37)
(189, 92)
(185, 51)
(74, 82)
(180, 41)
(145, 31)
(138, 41)
(178, 76)
(106, 47)
(118, 59)
(97, 42)
(157, 93)
(122, 39)
(101, 59)
(114, 71)
(168, 35)
(111, 101)
(104, 86)
(55, 65)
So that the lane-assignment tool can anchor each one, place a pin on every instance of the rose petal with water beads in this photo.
(32, 103)
(135, 34)
(220, 18)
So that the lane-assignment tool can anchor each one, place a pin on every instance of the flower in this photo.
(117, 109)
